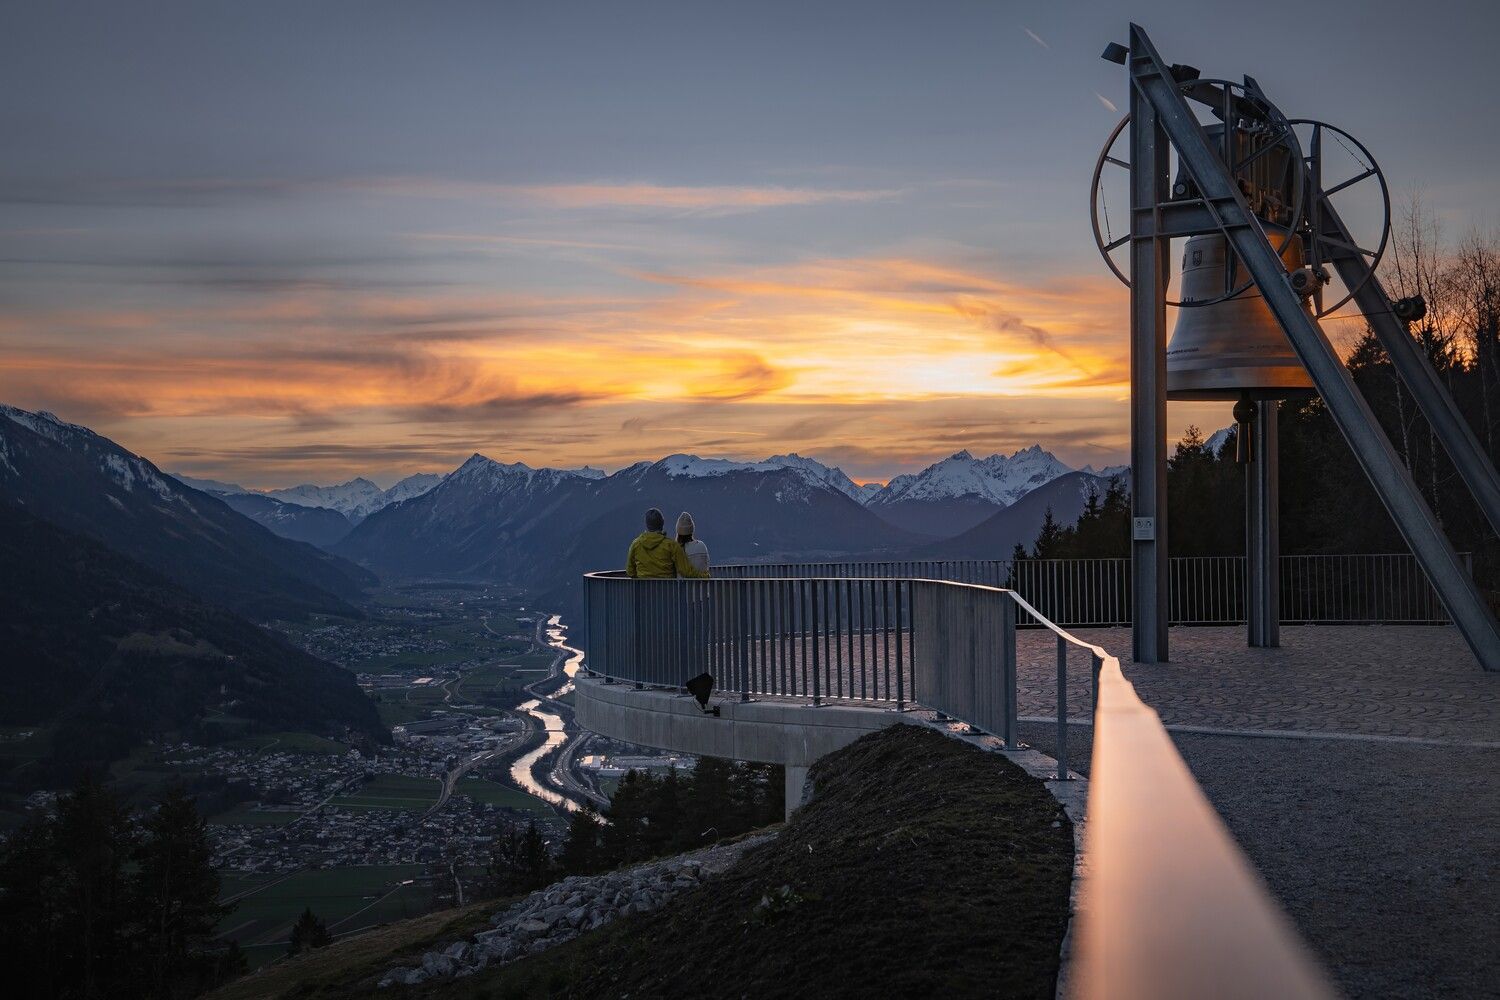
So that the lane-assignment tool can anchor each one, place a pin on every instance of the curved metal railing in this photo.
(1171, 909)
(1331, 589)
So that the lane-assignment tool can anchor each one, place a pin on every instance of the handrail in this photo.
(1171, 907)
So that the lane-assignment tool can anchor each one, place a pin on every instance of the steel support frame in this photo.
(1153, 87)
(1434, 400)
(1263, 531)
(1149, 275)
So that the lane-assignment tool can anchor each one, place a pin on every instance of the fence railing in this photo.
(1173, 908)
(946, 646)
(1385, 588)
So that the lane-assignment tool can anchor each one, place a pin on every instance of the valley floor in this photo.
(921, 866)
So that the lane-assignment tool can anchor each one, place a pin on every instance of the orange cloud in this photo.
(724, 351)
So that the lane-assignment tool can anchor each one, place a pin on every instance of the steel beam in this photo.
(1149, 275)
(1436, 404)
(1263, 531)
(1152, 86)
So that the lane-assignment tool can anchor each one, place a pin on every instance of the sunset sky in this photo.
(277, 243)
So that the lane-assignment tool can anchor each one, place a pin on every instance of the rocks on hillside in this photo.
(566, 909)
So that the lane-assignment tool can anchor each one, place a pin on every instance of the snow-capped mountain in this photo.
(1000, 479)
(544, 527)
(807, 468)
(88, 484)
(1217, 440)
(961, 491)
(412, 486)
(358, 498)
(1108, 472)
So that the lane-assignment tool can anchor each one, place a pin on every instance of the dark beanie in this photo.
(654, 520)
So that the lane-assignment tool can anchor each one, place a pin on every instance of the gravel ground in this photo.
(1384, 855)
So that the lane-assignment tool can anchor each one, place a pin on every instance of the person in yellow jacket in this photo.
(654, 556)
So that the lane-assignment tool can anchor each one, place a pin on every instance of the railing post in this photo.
(813, 607)
(1008, 672)
(900, 653)
(1062, 709)
(1095, 665)
(743, 605)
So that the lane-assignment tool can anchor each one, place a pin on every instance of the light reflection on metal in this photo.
(1171, 909)
(1234, 347)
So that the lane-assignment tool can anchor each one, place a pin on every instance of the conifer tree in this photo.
(308, 932)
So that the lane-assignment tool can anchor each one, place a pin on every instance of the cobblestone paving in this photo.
(1378, 680)
(1383, 854)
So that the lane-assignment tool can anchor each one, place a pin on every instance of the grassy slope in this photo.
(923, 866)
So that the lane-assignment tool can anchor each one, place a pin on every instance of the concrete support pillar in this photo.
(1262, 531)
(796, 778)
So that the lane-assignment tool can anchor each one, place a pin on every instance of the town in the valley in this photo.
(469, 678)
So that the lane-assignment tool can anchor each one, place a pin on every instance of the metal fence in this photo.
(1387, 588)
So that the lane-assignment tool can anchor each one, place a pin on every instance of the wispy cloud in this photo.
(214, 191)
(1108, 104)
(1035, 37)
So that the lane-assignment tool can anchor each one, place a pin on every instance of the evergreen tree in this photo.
(518, 863)
(93, 842)
(177, 897)
(581, 854)
(1049, 539)
(308, 932)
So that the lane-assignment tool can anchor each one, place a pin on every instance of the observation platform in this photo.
(1349, 765)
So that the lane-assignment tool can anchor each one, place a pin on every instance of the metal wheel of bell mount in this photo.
(1107, 242)
(1313, 164)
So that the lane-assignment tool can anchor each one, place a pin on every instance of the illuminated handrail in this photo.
(1171, 907)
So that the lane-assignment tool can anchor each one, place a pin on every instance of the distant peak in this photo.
(962, 456)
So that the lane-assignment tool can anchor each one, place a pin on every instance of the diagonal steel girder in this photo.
(1152, 80)
(1421, 381)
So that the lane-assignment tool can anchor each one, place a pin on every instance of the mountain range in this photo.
(320, 515)
(536, 527)
(88, 485)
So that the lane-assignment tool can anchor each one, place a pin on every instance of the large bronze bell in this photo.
(1233, 348)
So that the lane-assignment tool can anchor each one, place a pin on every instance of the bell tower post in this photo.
(1149, 263)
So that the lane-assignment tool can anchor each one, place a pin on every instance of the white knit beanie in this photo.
(684, 523)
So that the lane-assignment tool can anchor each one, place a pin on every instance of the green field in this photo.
(490, 679)
(496, 794)
(394, 710)
(392, 791)
(290, 743)
(346, 899)
(244, 815)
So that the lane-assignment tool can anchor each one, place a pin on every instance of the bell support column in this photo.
(1149, 274)
(1263, 531)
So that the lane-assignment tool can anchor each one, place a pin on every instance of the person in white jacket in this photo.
(695, 550)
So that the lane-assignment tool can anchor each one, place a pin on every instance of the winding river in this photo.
(521, 771)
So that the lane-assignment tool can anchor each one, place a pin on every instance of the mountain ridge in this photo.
(89, 485)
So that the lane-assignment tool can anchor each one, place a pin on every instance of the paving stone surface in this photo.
(1379, 680)
(1383, 854)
